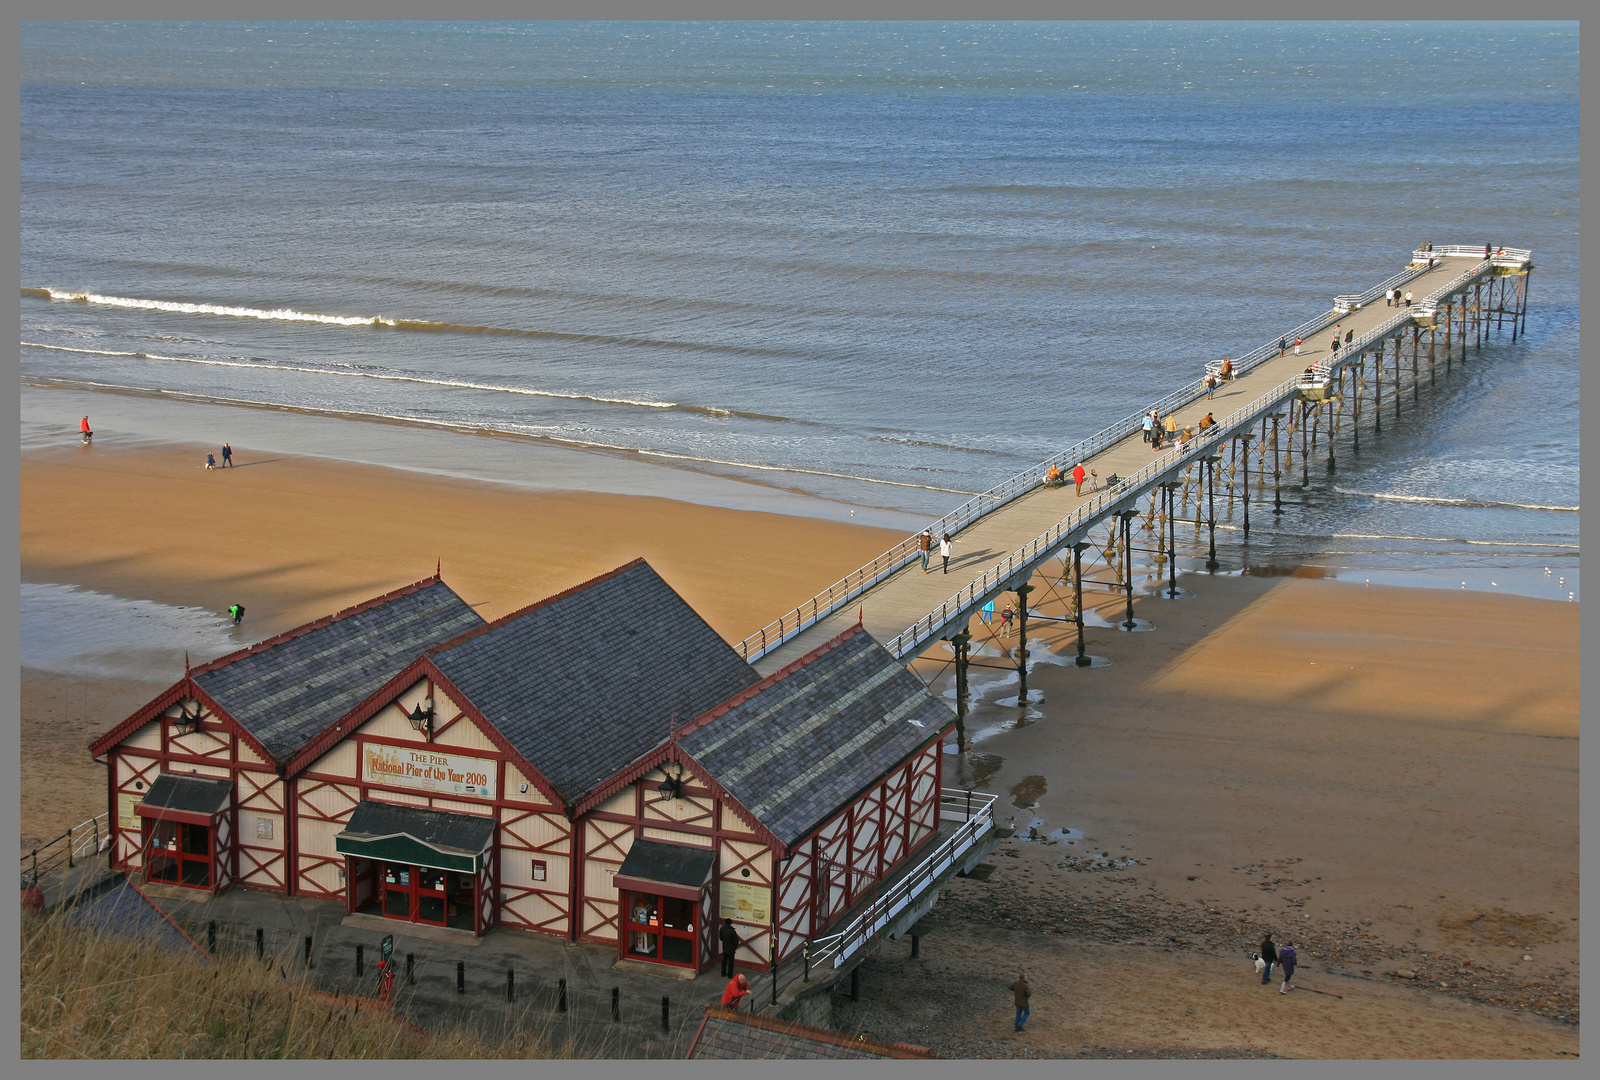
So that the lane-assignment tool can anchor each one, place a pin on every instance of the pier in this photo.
(1278, 414)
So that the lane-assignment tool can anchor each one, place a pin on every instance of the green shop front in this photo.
(418, 865)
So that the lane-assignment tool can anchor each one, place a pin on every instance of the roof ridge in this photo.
(468, 635)
(771, 680)
(317, 624)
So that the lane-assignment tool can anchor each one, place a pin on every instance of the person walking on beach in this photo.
(729, 939)
(1020, 993)
(1006, 614)
(1269, 953)
(1078, 476)
(211, 461)
(236, 613)
(944, 550)
(227, 455)
(925, 545)
(737, 990)
(1287, 959)
(84, 428)
(987, 614)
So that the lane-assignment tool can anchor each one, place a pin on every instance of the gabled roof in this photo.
(586, 681)
(288, 688)
(807, 740)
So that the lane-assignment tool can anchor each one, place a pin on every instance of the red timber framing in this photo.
(525, 882)
(250, 835)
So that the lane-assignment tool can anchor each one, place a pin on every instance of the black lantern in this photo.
(186, 721)
(422, 717)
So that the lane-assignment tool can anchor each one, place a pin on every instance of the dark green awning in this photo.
(417, 836)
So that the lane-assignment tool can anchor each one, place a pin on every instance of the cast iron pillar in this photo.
(1211, 509)
(961, 641)
(1127, 517)
(1246, 440)
(1277, 461)
(1022, 646)
(1171, 489)
(1077, 594)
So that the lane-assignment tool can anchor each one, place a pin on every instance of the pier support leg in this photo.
(1330, 446)
(1077, 594)
(1377, 391)
(1277, 489)
(1416, 381)
(1397, 378)
(1127, 517)
(1172, 542)
(961, 642)
(1305, 449)
(1246, 439)
(1211, 511)
(1022, 635)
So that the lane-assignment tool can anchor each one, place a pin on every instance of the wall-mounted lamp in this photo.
(670, 787)
(186, 721)
(422, 717)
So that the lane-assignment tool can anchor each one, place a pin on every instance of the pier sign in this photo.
(428, 770)
(746, 903)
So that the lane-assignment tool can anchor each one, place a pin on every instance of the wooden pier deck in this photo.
(908, 609)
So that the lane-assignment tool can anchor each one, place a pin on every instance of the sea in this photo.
(875, 266)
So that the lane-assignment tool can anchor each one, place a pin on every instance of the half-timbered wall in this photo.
(530, 827)
(213, 748)
(842, 862)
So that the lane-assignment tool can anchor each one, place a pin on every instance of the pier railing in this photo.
(1053, 539)
(855, 584)
(62, 852)
(1501, 256)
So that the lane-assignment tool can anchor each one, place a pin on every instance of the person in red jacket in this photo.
(1078, 476)
(737, 990)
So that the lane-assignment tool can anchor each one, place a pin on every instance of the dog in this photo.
(1261, 965)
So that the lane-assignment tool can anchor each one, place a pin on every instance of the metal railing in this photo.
(993, 580)
(85, 838)
(1500, 256)
(858, 582)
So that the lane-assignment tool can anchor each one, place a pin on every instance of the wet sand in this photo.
(1389, 774)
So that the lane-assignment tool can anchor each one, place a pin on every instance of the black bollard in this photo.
(411, 969)
(616, 1003)
(805, 961)
(361, 960)
(461, 976)
(666, 1005)
(561, 997)
(308, 951)
(261, 943)
(211, 937)
(511, 985)
(916, 945)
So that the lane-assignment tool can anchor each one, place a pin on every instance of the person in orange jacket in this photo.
(737, 990)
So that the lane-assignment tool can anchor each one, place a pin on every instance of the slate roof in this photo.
(675, 864)
(190, 794)
(583, 683)
(817, 734)
(287, 689)
(733, 1036)
(467, 834)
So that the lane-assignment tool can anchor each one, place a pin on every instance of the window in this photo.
(180, 854)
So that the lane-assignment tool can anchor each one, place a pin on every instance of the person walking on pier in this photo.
(1171, 424)
(1211, 385)
(1269, 953)
(1283, 345)
(1349, 336)
(1297, 346)
(1408, 298)
(925, 545)
(1183, 440)
(1078, 476)
(1149, 424)
(1155, 441)
(944, 550)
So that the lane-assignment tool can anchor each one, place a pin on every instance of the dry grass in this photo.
(92, 995)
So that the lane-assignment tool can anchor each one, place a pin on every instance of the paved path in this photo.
(907, 596)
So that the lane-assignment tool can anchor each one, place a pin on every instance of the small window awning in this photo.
(414, 835)
(192, 800)
(676, 870)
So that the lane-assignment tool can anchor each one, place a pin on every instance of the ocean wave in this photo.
(459, 384)
(421, 325)
(470, 428)
(1228, 527)
(1476, 504)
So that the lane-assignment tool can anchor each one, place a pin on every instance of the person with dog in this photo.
(1269, 953)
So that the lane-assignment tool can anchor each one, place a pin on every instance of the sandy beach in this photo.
(1388, 775)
